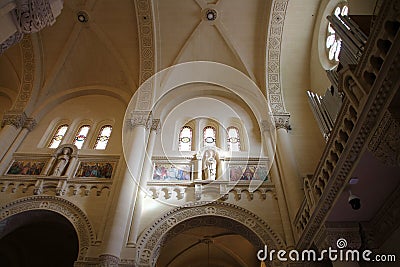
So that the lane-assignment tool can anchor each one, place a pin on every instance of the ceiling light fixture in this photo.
(82, 16)
(211, 14)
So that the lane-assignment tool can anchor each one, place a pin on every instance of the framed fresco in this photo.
(172, 172)
(247, 173)
(93, 169)
(26, 167)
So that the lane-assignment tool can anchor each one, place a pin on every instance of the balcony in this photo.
(370, 90)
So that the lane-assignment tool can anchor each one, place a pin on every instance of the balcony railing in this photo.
(368, 89)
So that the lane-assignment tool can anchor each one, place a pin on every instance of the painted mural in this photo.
(171, 172)
(95, 169)
(247, 173)
(26, 167)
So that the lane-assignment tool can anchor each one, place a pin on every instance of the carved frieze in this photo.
(274, 43)
(385, 143)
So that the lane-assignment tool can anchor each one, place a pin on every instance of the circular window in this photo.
(333, 41)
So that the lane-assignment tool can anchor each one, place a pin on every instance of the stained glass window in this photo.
(103, 137)
(209, 136)
(185, 139)
(233, 139)
(58, 136)
(333, 41)
(81, 135)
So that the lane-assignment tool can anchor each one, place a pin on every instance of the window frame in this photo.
(54, 134)
(98, 136)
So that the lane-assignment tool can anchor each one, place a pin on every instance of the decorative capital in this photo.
(155, 125)
(141, 118)
(30, 123)
(15, 119)
(107, 260)
(33, 15)
(282, 121)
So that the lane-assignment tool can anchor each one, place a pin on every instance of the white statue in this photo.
(210, 165)
(62, 162)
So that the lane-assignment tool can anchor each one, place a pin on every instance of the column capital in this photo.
(155, 125)
(107, 260)
(30, 123)
(15, 119)
(33, 15)
(141, 118)
(282, 121)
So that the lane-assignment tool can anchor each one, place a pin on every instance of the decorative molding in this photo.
(15, 119)
(148, 246)
(330, 233)
(155, 125)
(141, 118)
(274, 43)
(67, 209)
(28, 75)
(385, 143)
(33, 15)
(282, 121)
(10, 41)
(107, 260)
(144, 11)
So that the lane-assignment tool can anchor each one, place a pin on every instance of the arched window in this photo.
(233, 139)
(58, 136)
(209, 136)
(333, 41)
(103, 137)
(185, 139)
(81, 135)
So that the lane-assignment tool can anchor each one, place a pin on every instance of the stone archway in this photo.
(152, 238)
(71, 212)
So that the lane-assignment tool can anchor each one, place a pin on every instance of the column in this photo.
(198, 167)
(282, 202)
(125, 188)
(12, 123)
(291, 180)
(146, 173)
(197, 137)
(27, 127)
